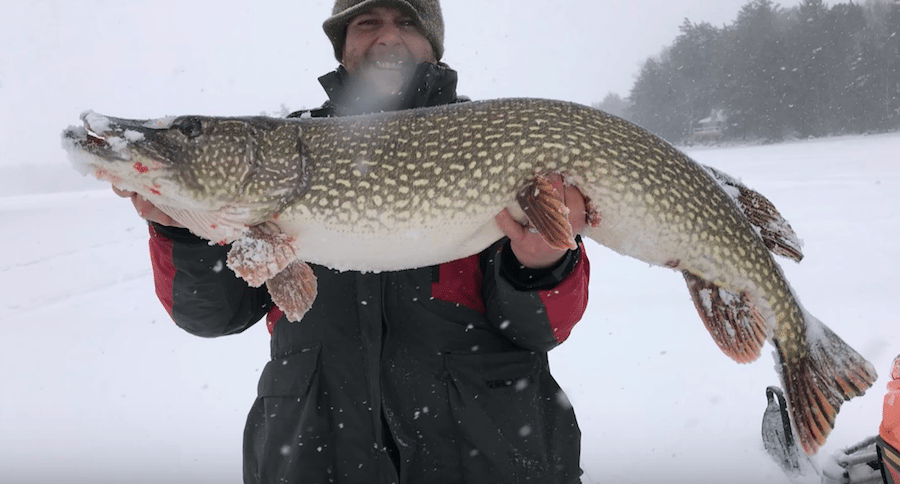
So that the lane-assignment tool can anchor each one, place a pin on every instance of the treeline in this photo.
(775, 73)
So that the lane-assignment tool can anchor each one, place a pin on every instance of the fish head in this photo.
(246, 169)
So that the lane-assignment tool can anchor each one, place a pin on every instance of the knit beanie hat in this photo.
(426, 14)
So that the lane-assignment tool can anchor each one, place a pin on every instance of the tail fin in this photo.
(819, 381)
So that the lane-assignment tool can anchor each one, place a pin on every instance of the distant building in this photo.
(710, 129)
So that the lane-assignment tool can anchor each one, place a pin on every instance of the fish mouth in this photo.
(108, 137)
(103, 128)
(85, 138)
(118, 150)
(94, 139)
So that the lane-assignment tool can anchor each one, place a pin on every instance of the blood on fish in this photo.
(140, 168)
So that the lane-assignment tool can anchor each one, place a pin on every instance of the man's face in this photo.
(384, 45)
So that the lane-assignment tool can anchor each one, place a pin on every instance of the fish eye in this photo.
(190, 127)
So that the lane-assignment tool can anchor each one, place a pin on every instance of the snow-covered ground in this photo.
(98, 386)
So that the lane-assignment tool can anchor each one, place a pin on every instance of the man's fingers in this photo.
(122, 193)
(150, 212)
(577, 208)
(573, 199)
(147, 210)
(509, 226)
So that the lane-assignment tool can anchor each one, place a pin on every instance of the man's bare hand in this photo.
(146, 209)
(530, 248)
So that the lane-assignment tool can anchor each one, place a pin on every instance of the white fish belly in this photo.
(631, 228)
(660, 237)
(397, 250)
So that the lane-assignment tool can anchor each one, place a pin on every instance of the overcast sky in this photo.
(59, 58)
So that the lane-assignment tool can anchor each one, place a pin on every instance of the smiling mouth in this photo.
(392, 66)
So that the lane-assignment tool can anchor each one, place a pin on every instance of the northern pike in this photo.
(414, 188)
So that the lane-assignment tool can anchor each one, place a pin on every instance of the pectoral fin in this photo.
(547, 213)
(261, 253)
(294, 289)
(733, 323)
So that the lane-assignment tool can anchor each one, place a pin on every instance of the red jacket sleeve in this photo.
(566, 303)
(201, 294)
(537, 315)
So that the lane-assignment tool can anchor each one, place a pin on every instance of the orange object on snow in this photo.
(890, 415)
(889, 431)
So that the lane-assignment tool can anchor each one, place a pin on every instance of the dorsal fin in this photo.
(776, 232)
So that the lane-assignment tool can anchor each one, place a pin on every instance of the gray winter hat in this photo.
(426, 14)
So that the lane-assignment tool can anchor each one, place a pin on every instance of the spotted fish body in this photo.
(413, 188)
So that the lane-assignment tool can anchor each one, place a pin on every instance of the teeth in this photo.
(388, 65)
(96, 139)
(92, 135)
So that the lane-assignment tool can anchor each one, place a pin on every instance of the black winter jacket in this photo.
(431, 375)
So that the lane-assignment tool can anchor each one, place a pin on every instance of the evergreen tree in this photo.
(846, 104)
(695, 59)
(671, 94)
(808, 89)
(876, 70)
(613, 104)
(892, 56)
(652, 101)
(812, 70)
(755, 82)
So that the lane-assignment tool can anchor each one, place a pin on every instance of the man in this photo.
(430, 375)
